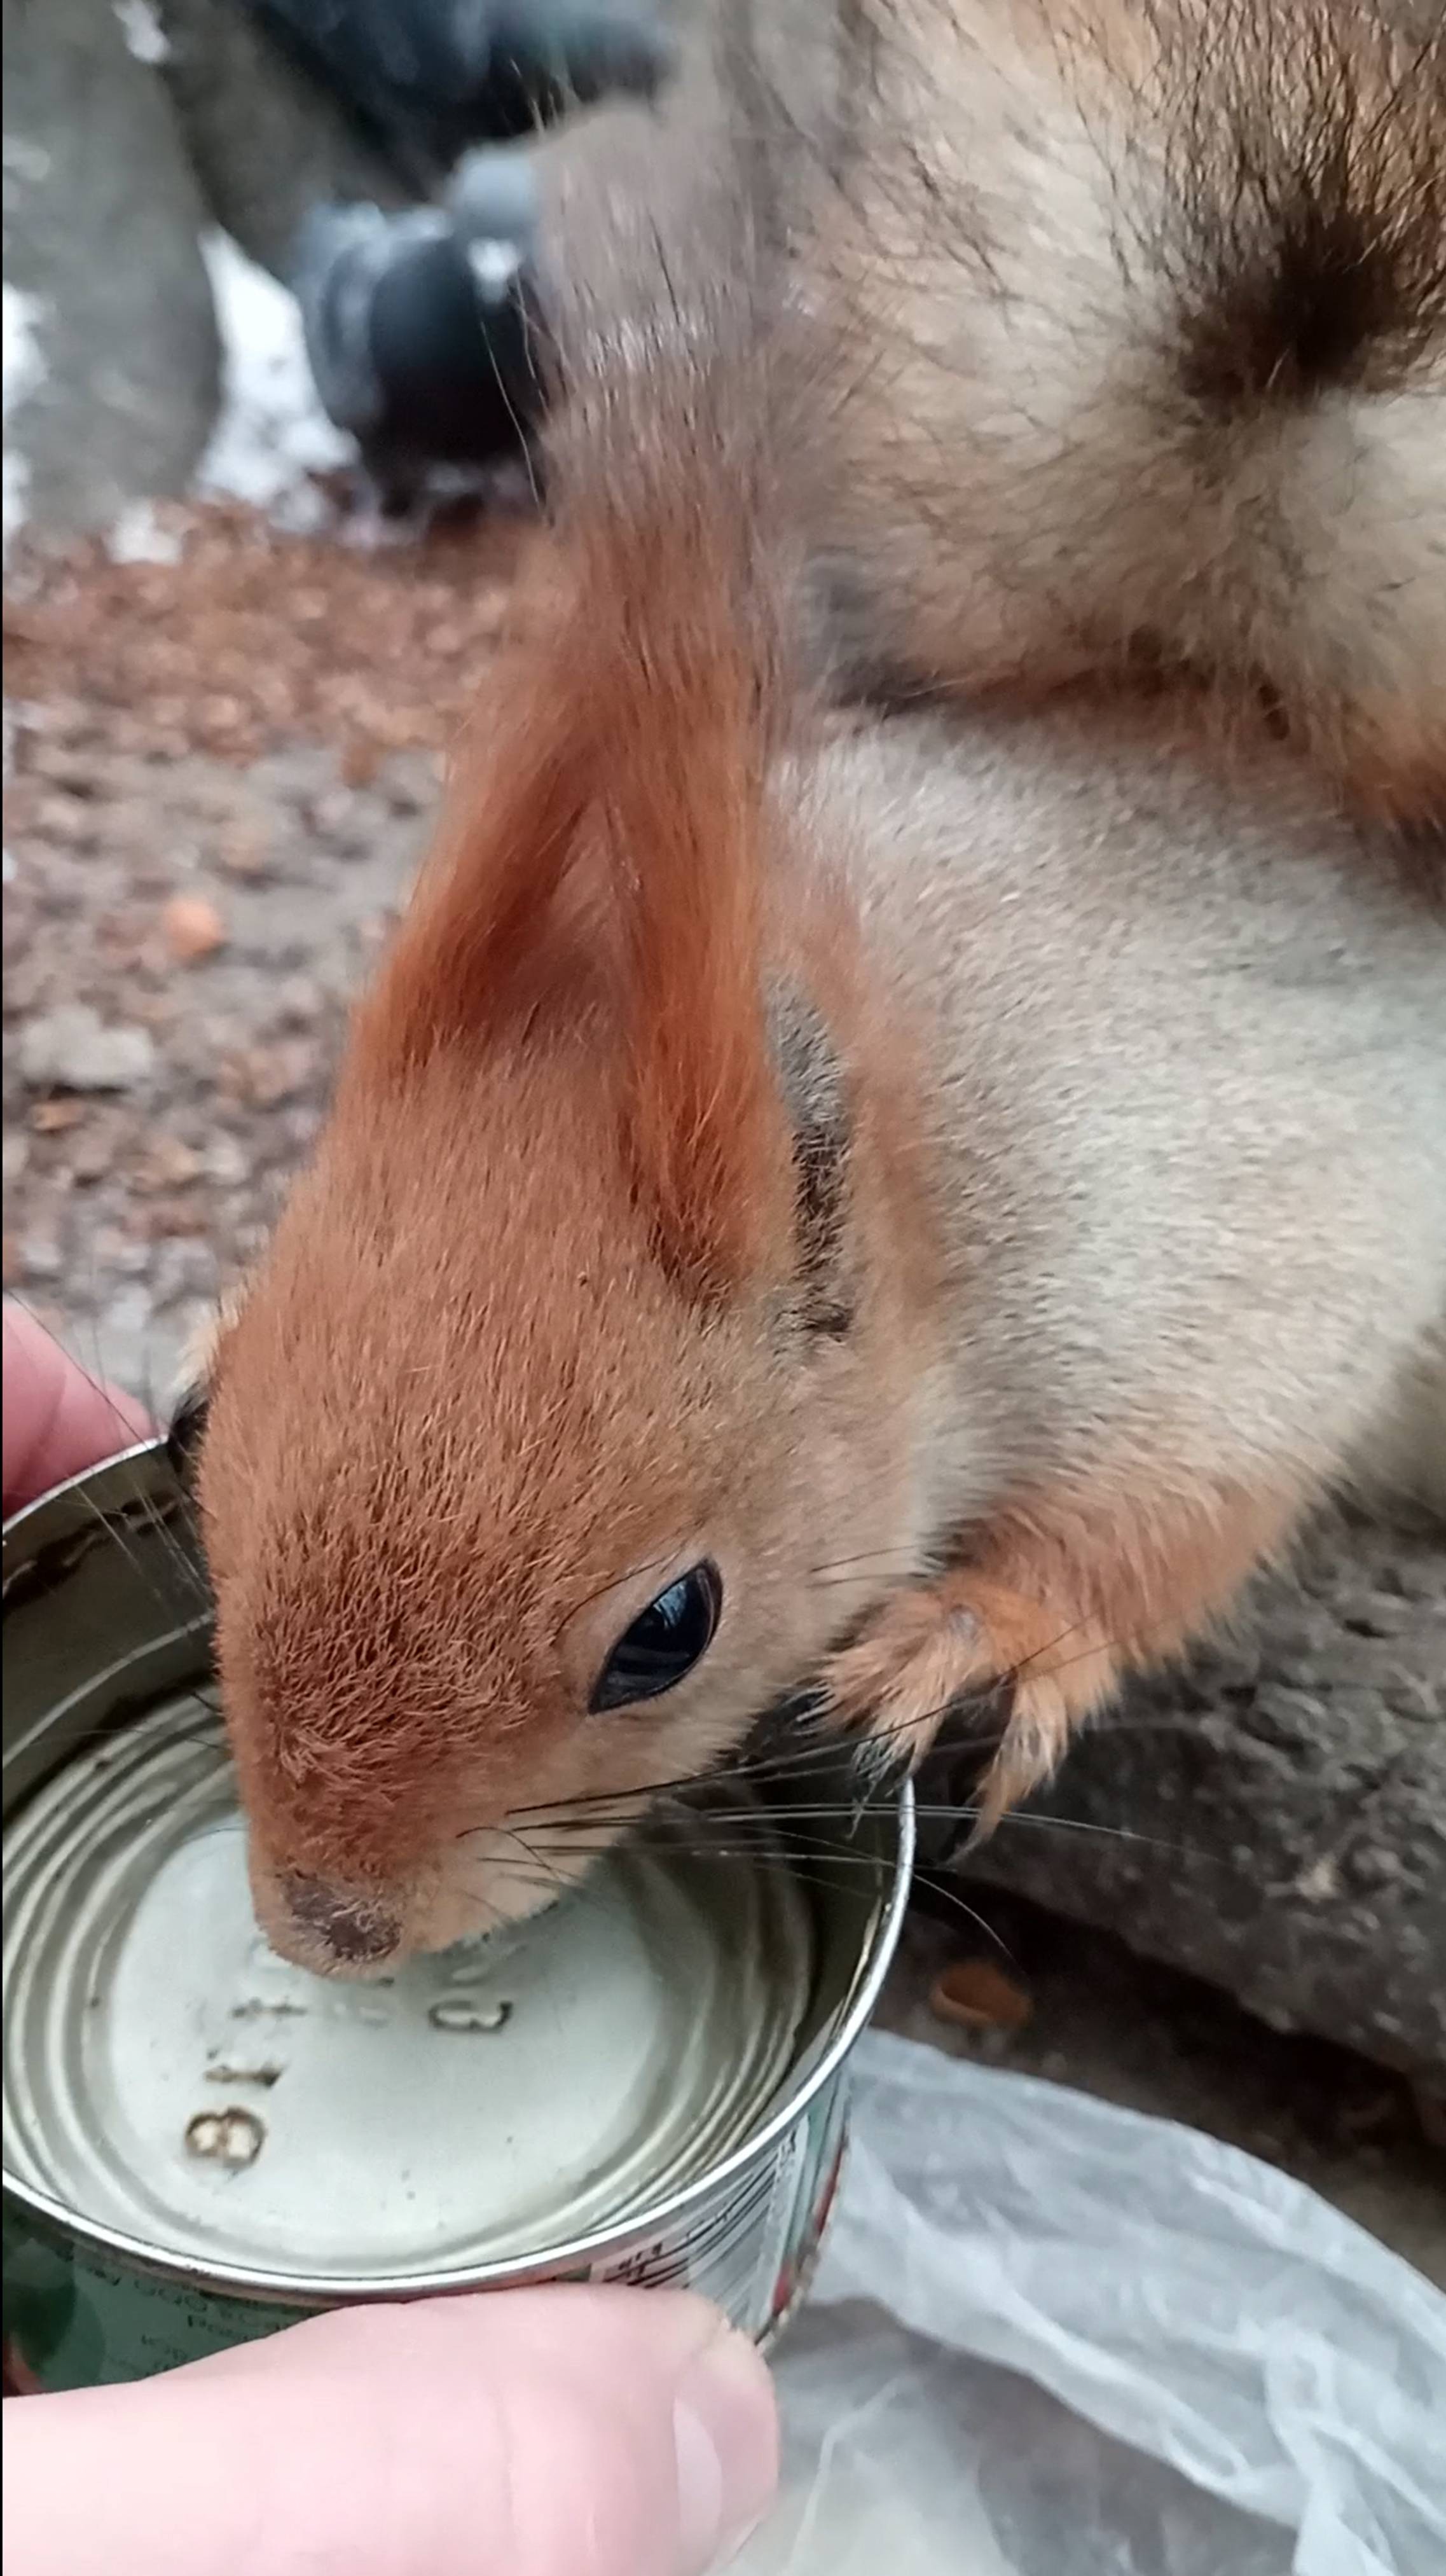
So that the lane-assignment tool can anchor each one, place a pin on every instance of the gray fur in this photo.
(815, 1094)
(1187, 1097)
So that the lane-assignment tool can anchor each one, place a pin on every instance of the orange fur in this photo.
(1011, 1143)
(1063, 1597)
(560, 1120)
(607, 855)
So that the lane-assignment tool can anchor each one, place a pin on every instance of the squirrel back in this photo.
(1135, 318)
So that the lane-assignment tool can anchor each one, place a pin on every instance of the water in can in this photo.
(645, 2083)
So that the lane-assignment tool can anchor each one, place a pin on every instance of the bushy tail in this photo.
(1141, 358)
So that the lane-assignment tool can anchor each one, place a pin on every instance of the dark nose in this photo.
(356, 1929)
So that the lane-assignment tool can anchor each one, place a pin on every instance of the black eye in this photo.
(664, 1644)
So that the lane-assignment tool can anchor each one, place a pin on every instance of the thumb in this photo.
(56, 1418)
(550, 2432)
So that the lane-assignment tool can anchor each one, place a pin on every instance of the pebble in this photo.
(170, 1165)
(130, 1257)
(92, 1154)
(1320, 1882)
(299, 1001)
(193, 928)
(409, 784)
(53, 1117)
(185, 1266)
(244, 851)
(71, 1049)
(225, 1161)
(70, 820)
(41, 1256)
(59, 764)
(269, 1075)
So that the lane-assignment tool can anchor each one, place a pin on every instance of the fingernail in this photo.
(725, 2432)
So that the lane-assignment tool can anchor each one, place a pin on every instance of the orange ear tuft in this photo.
(604, 872)
(683, 801)
(480, 943)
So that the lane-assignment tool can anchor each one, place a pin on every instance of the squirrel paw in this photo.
(935, 1643)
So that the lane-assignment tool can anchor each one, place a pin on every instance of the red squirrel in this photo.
(887, 1201)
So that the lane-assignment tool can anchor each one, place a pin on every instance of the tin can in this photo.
(647, 2083)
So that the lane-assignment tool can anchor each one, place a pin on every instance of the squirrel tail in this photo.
(1165, 285)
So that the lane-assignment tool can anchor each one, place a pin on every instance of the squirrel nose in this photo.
(357, 1930)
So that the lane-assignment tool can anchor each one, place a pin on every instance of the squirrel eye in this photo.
(663, 1643)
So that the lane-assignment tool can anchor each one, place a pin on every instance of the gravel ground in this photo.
(220, 774)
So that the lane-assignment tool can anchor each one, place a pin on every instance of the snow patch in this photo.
(272, 433)
(24, 373)
(494, 264)
(139, 537)
(26, 161)
(145, 37)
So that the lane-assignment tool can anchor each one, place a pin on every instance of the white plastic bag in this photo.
(1054, 2338)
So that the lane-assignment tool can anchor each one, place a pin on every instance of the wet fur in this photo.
(975, 1175)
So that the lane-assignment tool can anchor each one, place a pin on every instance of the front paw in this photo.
(898, 1680)
(938, 1643)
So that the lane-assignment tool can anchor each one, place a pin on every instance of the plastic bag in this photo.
(1054, 2338)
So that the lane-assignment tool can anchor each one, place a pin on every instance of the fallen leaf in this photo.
(975, 1995)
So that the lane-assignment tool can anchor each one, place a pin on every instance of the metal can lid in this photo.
(167, 2077)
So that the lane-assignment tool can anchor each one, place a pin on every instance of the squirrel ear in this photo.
(605, 868)
(684, 660)
(488, 936)
(688, 824)
(610, 871)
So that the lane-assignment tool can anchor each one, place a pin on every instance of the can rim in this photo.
(38, 1503)
(345, 2290)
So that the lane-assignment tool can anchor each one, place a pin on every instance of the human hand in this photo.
(549, 2432)
(57, 1420)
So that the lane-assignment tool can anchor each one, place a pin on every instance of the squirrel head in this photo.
(568, 1419)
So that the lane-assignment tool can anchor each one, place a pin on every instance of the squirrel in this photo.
(867, 1195)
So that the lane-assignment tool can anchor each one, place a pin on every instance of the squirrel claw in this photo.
(935, 1644)
(898, 1681)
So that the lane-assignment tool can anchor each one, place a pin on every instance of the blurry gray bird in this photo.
(423, 331)
(427, 79)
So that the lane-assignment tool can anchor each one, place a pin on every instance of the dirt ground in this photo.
(220, 775)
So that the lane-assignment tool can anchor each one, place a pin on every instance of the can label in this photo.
(75, 2318)
(78, 2318)
(750, 2250)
